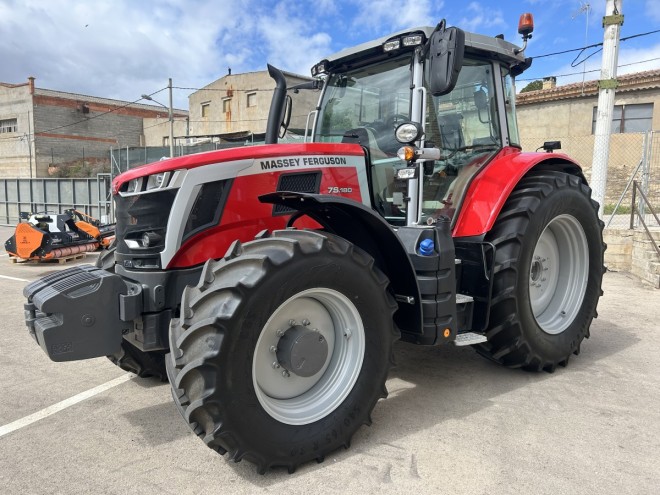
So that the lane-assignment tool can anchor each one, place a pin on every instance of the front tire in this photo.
(548, 272)
(283, 349)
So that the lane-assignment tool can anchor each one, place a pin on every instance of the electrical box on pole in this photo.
(606, 91)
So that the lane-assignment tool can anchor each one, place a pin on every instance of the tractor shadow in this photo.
(430, 386)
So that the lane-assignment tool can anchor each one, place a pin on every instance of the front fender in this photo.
(366, 229)
(492, 186)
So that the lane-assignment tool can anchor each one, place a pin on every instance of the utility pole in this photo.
(606, 91)
(171, 116)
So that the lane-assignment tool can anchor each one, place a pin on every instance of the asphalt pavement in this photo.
(453, 423)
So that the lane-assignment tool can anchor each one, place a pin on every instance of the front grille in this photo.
(208, 206)
(305, 182)
(141, 213)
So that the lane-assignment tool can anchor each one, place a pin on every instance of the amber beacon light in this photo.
(526, 25)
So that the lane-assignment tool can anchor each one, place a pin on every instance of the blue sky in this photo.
(124, 48)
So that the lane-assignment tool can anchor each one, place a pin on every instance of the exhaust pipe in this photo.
(276, 113)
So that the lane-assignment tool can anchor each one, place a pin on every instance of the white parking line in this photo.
(55, 408)
(14, 278)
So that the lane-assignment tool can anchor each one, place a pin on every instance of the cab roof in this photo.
(476, 44)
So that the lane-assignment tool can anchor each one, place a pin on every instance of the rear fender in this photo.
(491, 188)
(366, 229)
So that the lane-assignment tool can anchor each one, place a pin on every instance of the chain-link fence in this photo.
(632, 156)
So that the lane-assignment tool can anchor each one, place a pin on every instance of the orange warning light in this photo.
(526, 24)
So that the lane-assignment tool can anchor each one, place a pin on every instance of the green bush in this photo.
(621, 210)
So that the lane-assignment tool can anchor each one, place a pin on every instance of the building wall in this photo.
(16, 103)
(70, 134)
(60, 143)
(235, 115)
(570, 121)
(156, 130)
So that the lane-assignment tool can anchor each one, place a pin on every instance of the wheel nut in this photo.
(273, 349)
(279, 333)
(347, 333)
(285, 374)
(276, 365)
(292, 323)
(305, 322)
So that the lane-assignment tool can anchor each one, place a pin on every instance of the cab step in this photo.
(470, 338)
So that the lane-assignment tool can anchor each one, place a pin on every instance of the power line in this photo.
(595, 45)
(587, 72)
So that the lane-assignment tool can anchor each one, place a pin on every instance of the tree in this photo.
(533, 86)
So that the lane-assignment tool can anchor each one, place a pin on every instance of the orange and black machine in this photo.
(56, 235)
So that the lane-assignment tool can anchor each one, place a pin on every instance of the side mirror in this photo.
(480, 100)
(286, 117)
(445, 58)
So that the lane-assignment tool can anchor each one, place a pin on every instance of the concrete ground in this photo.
(453, 423)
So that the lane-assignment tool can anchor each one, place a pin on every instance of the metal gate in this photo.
(92, 196)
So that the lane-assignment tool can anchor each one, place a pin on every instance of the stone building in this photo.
(43, 131)
(238, 104)
(568, 113)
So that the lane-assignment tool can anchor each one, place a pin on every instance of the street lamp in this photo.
(170, 115)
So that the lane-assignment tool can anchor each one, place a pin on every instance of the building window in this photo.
(8, 125)
(166, 140)
(252, 99)
(628, 118)
(226, 105)
(206, 107)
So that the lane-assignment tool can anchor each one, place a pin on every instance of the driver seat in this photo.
(364, 136)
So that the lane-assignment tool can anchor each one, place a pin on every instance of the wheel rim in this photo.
(558, 274)
(299, 400)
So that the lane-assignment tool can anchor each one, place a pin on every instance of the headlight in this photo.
(413, 40)
(155, 181)
(133, 185)
(408, 132)
(392, 45)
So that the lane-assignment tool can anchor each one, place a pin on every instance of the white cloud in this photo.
(383, 16)
(121, 49)
(652, 8)
(480, 18)
(292, 43)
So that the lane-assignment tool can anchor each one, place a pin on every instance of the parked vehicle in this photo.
(269, 283)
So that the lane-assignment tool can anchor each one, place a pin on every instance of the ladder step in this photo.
(462, 299)
(469, 338)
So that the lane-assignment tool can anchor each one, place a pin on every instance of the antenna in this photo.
(585, 8)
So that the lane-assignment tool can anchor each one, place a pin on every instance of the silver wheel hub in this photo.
(558, 274)
(308, 356)
(302, 351)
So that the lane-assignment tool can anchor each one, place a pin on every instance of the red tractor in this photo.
(269, 283)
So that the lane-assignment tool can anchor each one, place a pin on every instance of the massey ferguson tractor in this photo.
(268, 283)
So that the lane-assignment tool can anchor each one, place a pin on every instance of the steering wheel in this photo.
(393, 119)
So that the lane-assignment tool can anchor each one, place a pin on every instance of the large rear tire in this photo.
(283, 349)
(548, 272)
(130, 358)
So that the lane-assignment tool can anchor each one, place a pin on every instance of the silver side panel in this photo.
(189, 187)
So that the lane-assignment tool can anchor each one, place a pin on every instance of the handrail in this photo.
(634, 210)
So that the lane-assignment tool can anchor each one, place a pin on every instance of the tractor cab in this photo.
(458, 90)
